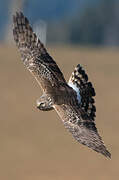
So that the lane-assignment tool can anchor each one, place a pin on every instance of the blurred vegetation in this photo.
(97, 24)
(85, 22)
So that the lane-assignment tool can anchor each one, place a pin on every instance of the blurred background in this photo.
(33, 144)
(86, 22)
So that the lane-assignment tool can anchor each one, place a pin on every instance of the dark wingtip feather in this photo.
(103, 150)
(24, 35)
(106, 153)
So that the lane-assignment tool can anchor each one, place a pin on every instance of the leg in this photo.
(44, 103)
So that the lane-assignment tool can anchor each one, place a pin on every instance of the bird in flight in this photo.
(73, 101)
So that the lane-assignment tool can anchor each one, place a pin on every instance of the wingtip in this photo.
(108, 154)
(17, 14)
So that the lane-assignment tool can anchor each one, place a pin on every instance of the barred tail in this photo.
(85, 91)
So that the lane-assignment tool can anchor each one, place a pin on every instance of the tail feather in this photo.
(80, 82)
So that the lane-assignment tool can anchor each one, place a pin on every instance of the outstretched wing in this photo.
(81, 127)
(88, 137)
(79, 118)
(35, 56)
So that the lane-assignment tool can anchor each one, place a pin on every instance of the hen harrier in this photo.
(73, 101)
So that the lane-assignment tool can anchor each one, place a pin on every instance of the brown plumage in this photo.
(74, 101)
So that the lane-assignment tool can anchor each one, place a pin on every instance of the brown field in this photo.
(34, 145)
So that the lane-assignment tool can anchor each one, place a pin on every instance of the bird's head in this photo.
(43, 105)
